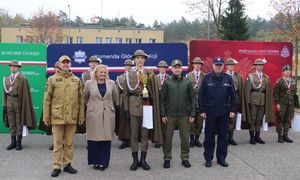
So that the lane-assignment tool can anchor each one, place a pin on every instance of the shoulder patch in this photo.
(58, 79)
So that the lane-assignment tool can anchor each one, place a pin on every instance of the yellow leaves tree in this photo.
(288, 23)
(45, 28)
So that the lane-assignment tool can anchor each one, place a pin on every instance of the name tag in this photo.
(58, 79)
(210, 84)
(225, 84)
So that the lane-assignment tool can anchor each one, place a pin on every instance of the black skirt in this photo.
(99, 153)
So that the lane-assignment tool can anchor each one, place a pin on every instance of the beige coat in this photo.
(100, 113)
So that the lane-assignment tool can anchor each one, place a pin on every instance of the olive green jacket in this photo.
(177, 98)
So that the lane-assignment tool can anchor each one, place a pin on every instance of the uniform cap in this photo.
(260, 61)
(286, 67)
(176, 62)
(129, 62)
(140, 52)
(197, 60)
(15, 63)
(218, 60)
(163, 64)
(231, 61)
(64, 57)
(95, 59)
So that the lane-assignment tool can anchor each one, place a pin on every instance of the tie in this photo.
(12, 77)
(197, 76)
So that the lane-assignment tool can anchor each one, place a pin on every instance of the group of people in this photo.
(106, 107)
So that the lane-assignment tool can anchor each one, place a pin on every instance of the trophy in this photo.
(144, 80)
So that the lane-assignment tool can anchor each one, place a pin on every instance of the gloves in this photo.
(127, 116)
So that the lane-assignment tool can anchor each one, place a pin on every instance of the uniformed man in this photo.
(217, 103)
(239, 88)
(162, 75)
(93, 62)
(63, 109)
(141, 90)
(160, 79)
(177, 107)
(123, 126)
(17, 105)
(258, 100)
(196, 76)
(42, 126)
(284, 93)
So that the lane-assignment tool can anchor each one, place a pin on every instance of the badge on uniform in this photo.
(74, 80)
(58, 79)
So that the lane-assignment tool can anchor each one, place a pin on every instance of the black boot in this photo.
(13, 143)
(252, 138)
(197, 142)
(51, 148)
(192, 141)
(143, 162)
(135, 163)
(280, 138)
(230, 138)
(19, 143)
(123, 145)
(287, 139)
(258, 139)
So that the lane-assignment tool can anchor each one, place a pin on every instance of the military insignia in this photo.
(58, 79)
(74, 80)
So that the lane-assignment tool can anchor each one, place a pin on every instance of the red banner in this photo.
(277, 55)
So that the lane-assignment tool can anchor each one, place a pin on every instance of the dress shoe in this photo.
(208, 164)
(186, 163)
(102, 168)
(166, 164)
(55, 172)
(223, 163)
(123, 145)
(96, 167)
(51, 148)
(287, 139)
(70, 169)
(157, 145)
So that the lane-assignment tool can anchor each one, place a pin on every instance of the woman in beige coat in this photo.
(100, 95)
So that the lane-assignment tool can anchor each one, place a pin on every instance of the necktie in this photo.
(12, 77)
(197, 76)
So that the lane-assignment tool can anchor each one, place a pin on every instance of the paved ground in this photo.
(270, 161)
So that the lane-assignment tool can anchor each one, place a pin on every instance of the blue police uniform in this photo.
(217, 98)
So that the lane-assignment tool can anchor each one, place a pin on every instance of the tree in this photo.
(216, 7)
(234, 22)
(78, 20)
(63, 18)
(45, 28)
(288, 23)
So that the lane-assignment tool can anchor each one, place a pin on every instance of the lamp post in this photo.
(208, 20)
(69, 23)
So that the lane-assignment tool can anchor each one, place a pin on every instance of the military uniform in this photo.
(87, 75)
(161, 78)
(177, 104)
(133, 105)
(122, 125)
(217, 98)
(239, 88)
(197, 125)
(284, 93)
(17, 106)
(63, 108)
(258, 92)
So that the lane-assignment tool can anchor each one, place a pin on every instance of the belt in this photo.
(258, 91)
(11, 95)
(137, 95)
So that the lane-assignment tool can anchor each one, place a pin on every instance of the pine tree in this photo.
(234, 23)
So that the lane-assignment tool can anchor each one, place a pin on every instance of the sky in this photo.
(143, 11)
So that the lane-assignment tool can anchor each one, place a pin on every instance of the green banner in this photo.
(33, 58)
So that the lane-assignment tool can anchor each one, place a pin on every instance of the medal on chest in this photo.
(288, 85)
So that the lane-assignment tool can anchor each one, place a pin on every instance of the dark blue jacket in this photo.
(217, 96)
